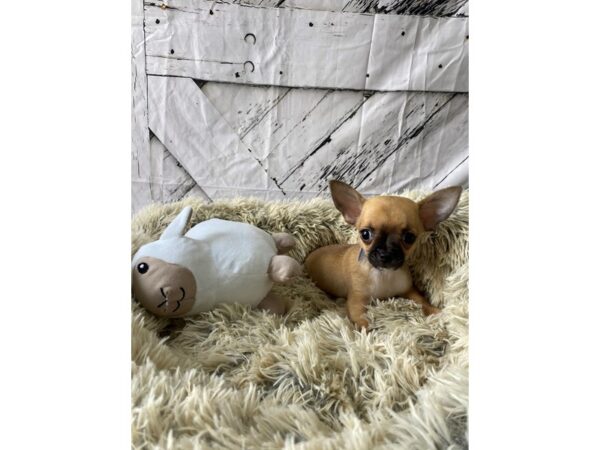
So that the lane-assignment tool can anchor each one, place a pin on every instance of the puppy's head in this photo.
(388, 226)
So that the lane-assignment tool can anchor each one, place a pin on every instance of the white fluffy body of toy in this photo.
(216, 261)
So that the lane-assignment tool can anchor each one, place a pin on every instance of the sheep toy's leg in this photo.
(284, 242)
(273, 303)
(282, 268)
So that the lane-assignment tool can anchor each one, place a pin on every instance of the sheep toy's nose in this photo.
(173, 293)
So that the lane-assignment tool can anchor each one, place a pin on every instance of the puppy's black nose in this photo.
(393, 241)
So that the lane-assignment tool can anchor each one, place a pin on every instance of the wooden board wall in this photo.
(276, 137)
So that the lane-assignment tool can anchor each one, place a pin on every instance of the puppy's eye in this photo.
(366, 235)
(142, 268)
(408, 238)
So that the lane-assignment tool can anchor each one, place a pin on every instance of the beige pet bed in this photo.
(239, 378)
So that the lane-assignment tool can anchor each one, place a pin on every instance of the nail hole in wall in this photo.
(310, 24)
(172, 51)
(403, 33)
(211, 12)
(237, 74)
(440, 66)
(157, 21)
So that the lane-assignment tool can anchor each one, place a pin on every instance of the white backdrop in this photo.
(273, 98)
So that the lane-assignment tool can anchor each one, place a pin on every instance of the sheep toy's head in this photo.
(163, 277)
(166, 290)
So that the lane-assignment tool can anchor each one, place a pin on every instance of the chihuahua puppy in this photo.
(387, 226)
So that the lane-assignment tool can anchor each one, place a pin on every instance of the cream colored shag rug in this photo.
(238, 378)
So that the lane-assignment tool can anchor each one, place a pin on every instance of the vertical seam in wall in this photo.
(147, 119)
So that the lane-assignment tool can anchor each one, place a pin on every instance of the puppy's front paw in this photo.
(430, 309)
(356, 306)
(361, 323)
(274, 304)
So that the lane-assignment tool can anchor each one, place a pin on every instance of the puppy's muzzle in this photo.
(386, 254)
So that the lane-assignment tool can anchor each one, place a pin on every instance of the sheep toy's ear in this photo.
(179, 224)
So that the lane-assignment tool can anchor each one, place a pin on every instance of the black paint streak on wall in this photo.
(355, 165)
(370, 158)
(266, 172)
(437, 8)
(446, 176)
(326, 140)
(299, 123)
(258, 119)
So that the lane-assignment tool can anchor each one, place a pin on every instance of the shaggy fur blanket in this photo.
(239, 378)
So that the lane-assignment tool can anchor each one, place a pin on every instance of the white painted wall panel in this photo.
(305, 48)
(413, 53)
(185, 121)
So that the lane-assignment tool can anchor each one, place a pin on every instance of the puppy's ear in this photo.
(347, 200)
(438, 206)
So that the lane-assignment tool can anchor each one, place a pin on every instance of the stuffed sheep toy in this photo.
(216, 261)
